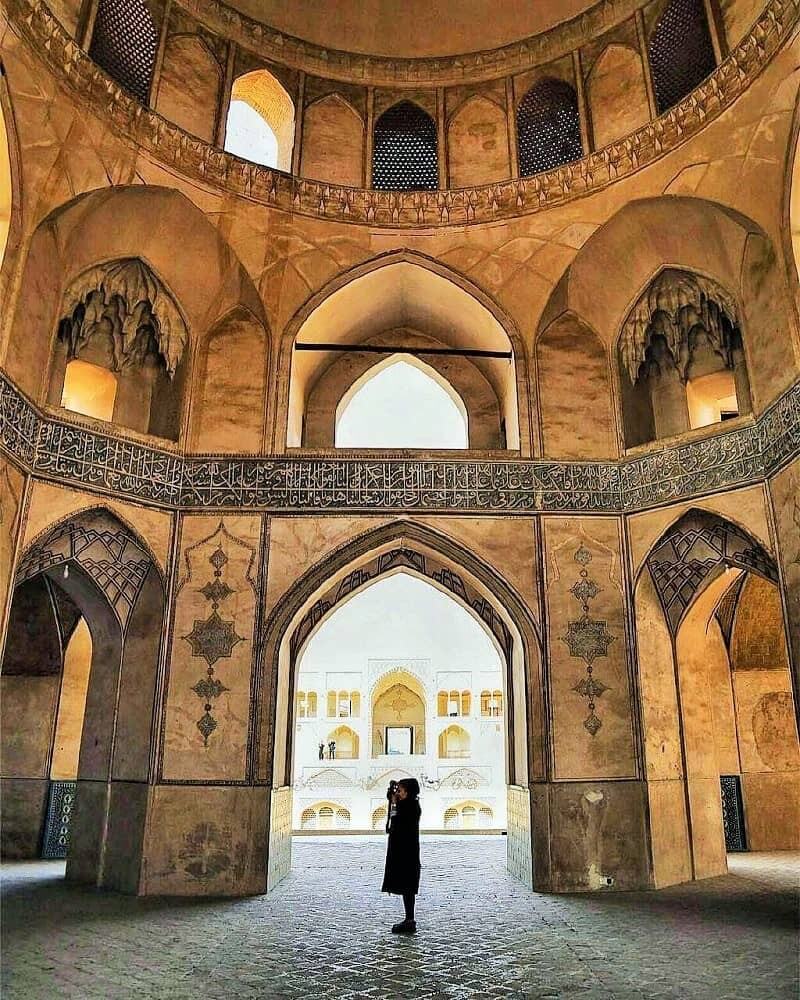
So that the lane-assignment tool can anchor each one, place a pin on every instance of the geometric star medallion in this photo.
(587, 639)
(213, 639)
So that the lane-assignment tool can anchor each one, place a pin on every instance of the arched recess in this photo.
(416, 549)
(791, 211)
(681, 358)
(477, 143)
(230, 386)
(575, 392)
(121, 223)
(697, 236)
(717, 716)
(413, 294)
(260, 124)
(91, 567)
(333, 142)
(680, 50)
(617, 94)
(189, 85)
(548, 126)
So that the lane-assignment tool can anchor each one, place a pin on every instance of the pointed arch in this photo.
(617, 94)
(333, 142)
(96, 567)
(477, 143)
(681, 51)
(443, 407)
(260, 125)
(548, 126)
(405, 154)
(400, 291)
(494, 603)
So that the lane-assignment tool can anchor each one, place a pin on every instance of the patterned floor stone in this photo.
(324, 933)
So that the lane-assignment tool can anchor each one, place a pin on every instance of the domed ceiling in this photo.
(409, 28)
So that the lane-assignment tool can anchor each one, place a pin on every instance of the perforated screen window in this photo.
(404, 156)
(548, 127)
(125, 44)
(681, 53)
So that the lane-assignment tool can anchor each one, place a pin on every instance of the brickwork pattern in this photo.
(324, 932)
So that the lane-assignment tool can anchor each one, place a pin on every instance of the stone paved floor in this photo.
(324, 933)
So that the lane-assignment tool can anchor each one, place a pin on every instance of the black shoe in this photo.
(405, 927)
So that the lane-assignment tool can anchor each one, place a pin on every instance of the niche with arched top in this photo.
(333, 142)
(548, 127)
(681, 358)
(119, 350)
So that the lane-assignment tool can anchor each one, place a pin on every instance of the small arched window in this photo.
(125, 44)
(379, 818)
(404, 156)
(401, 403)
(548, 127)
(454, 743)
(260, 125)
(306, 705)
(681, 52)
(491, 704)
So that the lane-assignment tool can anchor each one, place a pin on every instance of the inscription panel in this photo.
(71, 453)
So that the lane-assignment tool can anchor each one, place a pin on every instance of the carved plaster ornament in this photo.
(675, 303)
(128, 303)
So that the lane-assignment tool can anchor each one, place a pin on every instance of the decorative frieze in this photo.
(78, 455)
(194, 158)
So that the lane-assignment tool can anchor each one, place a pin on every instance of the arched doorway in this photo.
(377, 661)
(78, 680)
(719, 726)
(437, 560)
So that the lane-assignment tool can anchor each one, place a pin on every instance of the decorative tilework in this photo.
(75, 454)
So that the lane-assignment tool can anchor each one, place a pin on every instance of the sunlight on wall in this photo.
(72, 704)
(5, 186)
(711, 398)
(401, 406)
(89, 389)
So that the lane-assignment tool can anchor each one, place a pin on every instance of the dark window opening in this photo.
(125, 44)
(405, 154)
(681, 53)
(548, 127)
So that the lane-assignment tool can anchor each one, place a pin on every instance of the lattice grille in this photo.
(681, 53)
(405, 156)
(125, 44)
(548, 127)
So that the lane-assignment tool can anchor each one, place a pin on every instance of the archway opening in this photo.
(380, 659)
(726, 722)
(401, 403)
(260, 125)
(83, 641)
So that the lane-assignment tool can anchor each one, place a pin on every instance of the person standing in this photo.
(402, 872)
(321, 749)
(332, 750)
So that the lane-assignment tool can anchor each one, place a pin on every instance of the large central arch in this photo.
(403, 546)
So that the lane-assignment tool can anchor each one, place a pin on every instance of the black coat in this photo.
(402, 851)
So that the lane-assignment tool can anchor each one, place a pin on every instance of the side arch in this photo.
(96, 568)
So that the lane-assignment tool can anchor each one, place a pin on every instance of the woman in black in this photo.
(402, 852)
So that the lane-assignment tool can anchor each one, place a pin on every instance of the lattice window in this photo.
(681, 53)
(404, 156)
(548, 127)
(125, 44)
